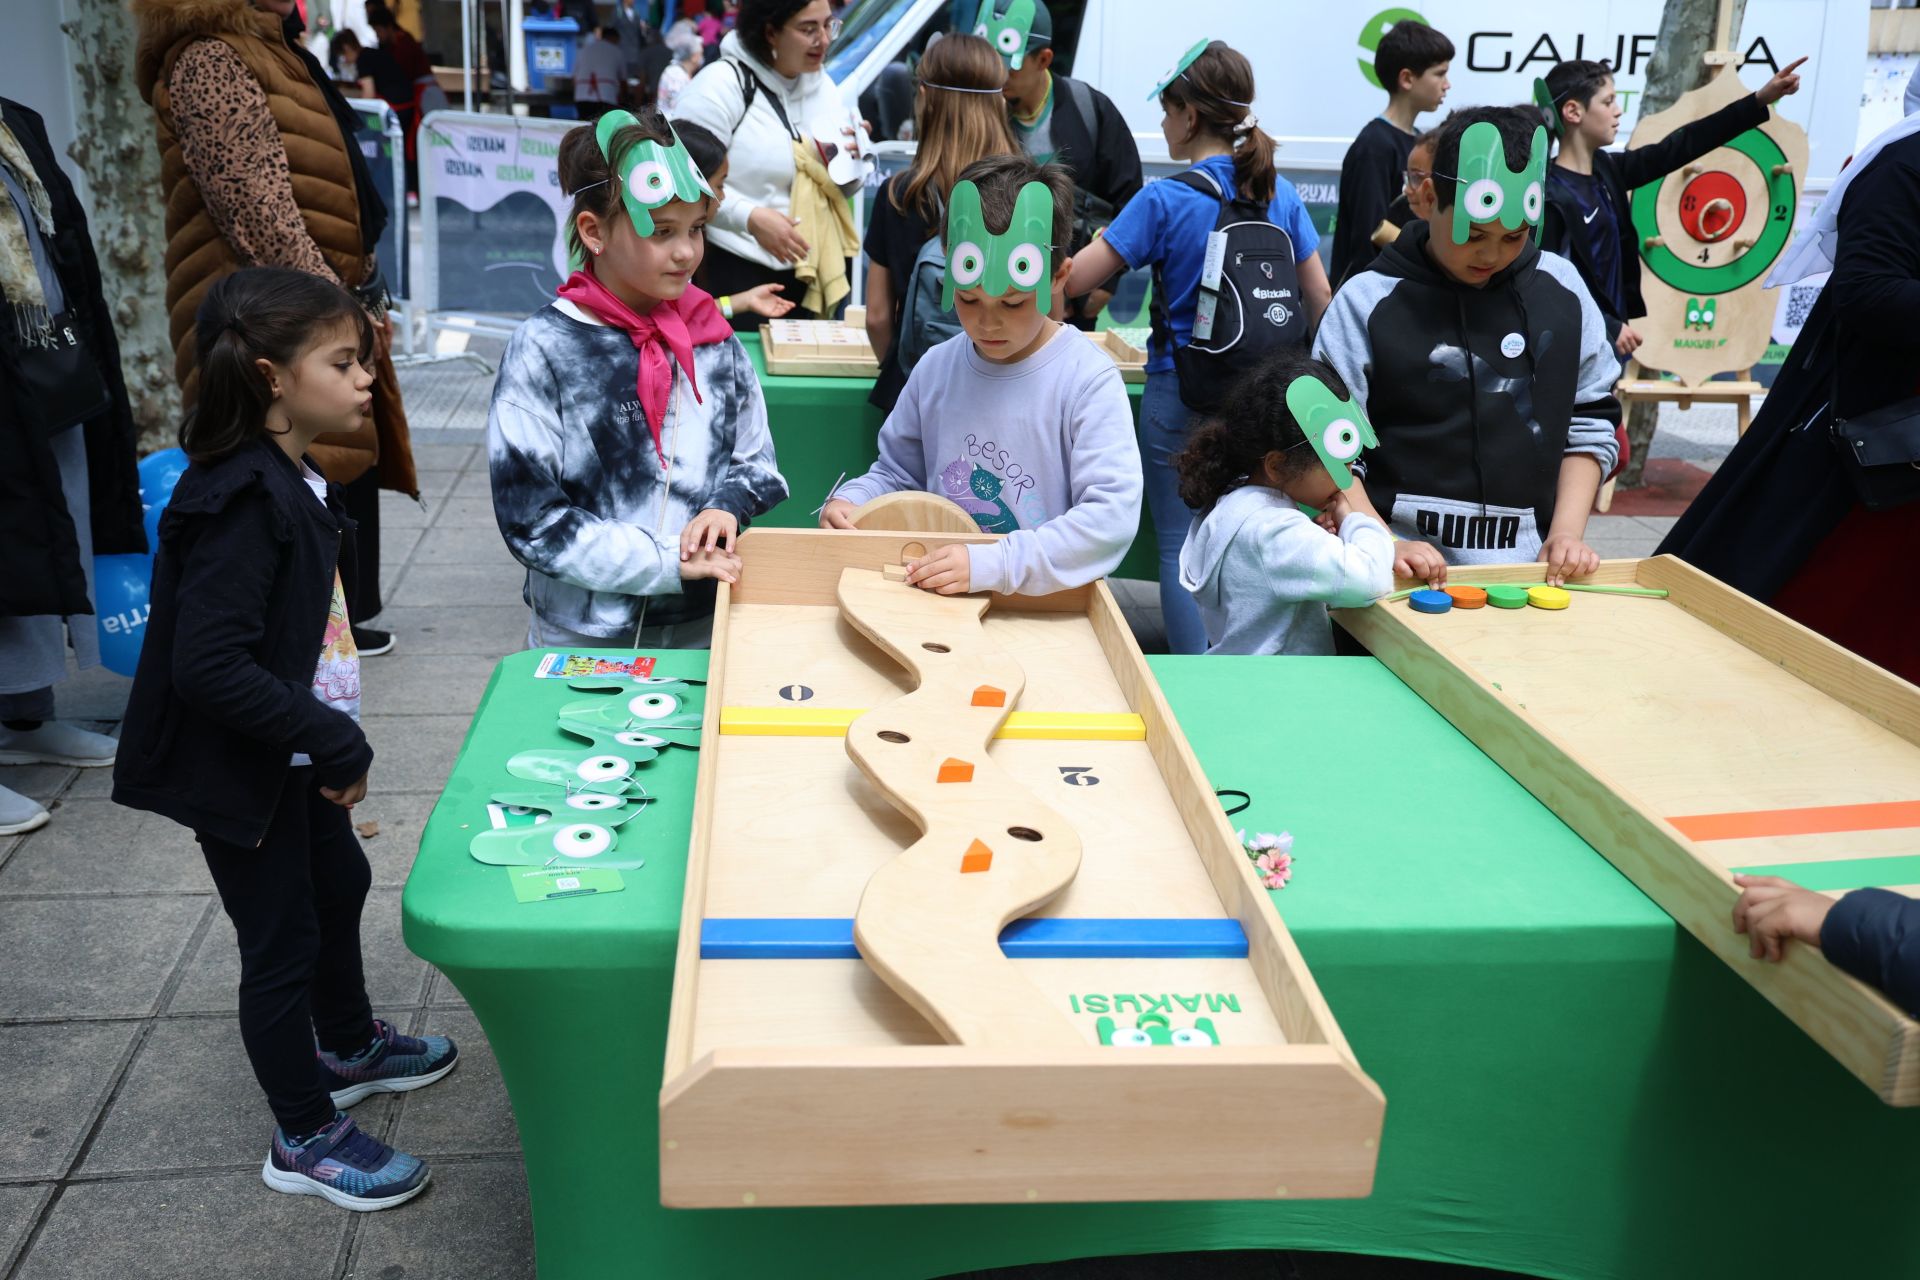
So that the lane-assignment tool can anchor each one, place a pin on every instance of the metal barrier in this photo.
(492, 220)
(384, 143)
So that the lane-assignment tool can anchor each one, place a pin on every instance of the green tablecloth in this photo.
(1574, 1087)
(824, 430)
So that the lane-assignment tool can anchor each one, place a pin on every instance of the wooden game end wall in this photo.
(1562, 758)
(947, 1125)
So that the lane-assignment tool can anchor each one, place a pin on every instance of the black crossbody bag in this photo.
(1881, 453)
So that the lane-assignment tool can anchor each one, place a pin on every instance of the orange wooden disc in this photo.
(1468, 597)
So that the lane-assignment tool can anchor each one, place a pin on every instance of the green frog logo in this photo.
(1700, 314)
(1152, 1029)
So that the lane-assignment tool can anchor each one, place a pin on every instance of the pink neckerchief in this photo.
(677, 325)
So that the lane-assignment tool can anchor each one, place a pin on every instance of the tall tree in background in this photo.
(1687, 32)
(116, 152)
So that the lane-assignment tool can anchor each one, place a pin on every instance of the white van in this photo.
(1314, 62)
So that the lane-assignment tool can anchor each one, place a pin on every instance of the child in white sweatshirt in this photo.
(1262, 571)
(1019, 419)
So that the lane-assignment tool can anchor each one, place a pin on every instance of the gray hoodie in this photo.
(1264, 573)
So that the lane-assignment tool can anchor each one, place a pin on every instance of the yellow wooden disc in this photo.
(1548, 597)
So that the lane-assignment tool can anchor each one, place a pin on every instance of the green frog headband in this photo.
(1549, 106)
(1008, 33)
(1336, 428)
(1488, 191)
(650, 175)
(1019, 258)
(1179, 68)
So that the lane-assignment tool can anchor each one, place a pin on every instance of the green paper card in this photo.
(540, 885)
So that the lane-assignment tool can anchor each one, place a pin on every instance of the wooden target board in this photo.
(1708, 233)
(1688, 738)
(963, 917)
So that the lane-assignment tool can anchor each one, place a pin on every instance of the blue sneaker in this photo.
(392, 1064)
(351, 1168)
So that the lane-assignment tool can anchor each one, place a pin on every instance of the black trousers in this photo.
(295, 902)
(361, 499)
(725, 273)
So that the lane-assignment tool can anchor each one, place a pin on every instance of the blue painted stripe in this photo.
(1035, 938)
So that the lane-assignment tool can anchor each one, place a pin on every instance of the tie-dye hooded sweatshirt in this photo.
(578, 490)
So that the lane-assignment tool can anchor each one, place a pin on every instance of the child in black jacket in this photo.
(243, 723)
(1589, 219)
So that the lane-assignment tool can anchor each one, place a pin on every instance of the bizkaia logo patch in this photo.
(1378, 25)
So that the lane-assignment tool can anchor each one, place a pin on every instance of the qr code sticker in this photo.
(1800, 300)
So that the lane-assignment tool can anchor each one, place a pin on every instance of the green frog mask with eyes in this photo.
(1008, 33)
(649, 175)
(1488, 191)
(1019, 259)
(1336, 428)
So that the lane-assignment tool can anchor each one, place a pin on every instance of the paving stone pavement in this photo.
(131, 1131)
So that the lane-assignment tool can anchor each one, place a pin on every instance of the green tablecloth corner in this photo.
(1575, 1088)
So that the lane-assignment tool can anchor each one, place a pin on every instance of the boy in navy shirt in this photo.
(1412, 63)
(1589, 220)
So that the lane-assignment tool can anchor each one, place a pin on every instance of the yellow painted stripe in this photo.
(832, 722)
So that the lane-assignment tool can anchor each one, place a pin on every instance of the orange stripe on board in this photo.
(1813, 821)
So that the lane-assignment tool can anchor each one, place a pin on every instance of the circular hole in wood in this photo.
(1023, 833)
(893, 735)
(912, 551)
(934, 646)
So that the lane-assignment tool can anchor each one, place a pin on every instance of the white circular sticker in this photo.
(1512, 345)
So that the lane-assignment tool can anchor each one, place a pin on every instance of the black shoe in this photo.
(372, 643)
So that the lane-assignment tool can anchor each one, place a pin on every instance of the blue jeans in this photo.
(1163, 433)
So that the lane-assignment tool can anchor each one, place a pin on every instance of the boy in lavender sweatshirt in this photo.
(1020, 420)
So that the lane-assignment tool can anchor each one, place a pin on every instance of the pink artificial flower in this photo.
(1275, 868)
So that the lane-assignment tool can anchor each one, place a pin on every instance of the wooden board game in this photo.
(889, 778)
(1686, 738)
(817, 349)
(837, 349)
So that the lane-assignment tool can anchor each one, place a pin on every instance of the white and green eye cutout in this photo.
(649, 175)
(1019, 259)
(1131, 1038)
(592, 801)
(652, 706)
(582, 840)
(1338, 431)
(600, 768)
(1179, 68)
(1009, 32)
(1488, 191)
(1191, 1038)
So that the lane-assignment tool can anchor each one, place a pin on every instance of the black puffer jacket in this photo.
(224, 692)
(37, 537)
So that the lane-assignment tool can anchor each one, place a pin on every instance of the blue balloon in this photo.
(121, 607)
(159, 472)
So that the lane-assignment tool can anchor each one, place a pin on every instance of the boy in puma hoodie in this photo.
(1483, 365)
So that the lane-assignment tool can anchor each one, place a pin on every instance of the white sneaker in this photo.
(19, 814)
(56, 742)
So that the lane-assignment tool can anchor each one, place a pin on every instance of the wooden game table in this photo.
(824, 431)
(1576, 1087)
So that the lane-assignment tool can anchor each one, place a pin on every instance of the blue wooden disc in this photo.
(1430, 601)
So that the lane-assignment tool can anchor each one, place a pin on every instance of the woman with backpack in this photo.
(958, 117)
(1209, 121)
(784, 220)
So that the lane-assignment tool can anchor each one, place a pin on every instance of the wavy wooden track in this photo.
(929, 921)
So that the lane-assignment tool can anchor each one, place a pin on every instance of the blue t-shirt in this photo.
(1167, 225)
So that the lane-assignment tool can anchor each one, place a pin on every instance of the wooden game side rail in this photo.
(1861, 1028)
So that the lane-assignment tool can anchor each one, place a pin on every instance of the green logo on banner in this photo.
(1378, 25)
(513, 173)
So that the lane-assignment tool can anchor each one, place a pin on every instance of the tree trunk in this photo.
(116, 151)
(1687, 33)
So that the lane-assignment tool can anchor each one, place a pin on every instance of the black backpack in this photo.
(1256, 305)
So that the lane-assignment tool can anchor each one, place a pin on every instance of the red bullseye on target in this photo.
(1712, 205)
